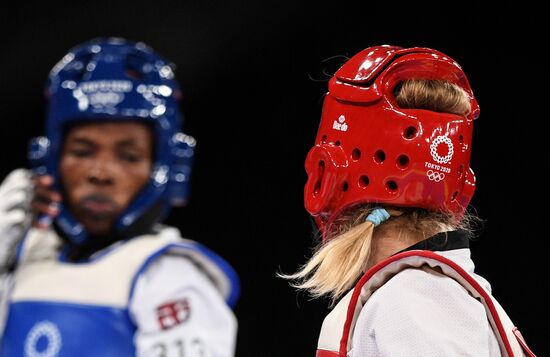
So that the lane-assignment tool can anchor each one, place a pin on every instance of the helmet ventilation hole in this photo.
(402, 161)
(356, 154)
(379, 156)
(453, 197)
(364, 181)
(337, 143)
(323, 139)
(321, 171)
(391, 185)
(410, 132)
(459, 172)
(345, 186)
(461, 139)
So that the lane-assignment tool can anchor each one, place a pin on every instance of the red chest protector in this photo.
(338, 326)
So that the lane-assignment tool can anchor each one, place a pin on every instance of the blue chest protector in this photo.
(60, 309)
(48, 329)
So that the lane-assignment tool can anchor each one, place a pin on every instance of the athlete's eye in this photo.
(80, 152)
(131, 157)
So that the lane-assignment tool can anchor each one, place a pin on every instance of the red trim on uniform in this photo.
(522, 342)
(425, 254)
(325, 353)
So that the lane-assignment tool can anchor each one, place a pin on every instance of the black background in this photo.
(253, 82)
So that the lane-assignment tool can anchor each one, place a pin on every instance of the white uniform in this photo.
(421, 303)
(154, 295)
(435, 308)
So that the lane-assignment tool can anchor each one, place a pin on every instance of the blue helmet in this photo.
(109, 79)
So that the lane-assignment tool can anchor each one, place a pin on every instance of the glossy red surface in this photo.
(369, 150)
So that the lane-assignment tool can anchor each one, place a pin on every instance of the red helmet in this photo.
(368, 150)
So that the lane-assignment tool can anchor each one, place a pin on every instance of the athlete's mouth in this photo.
(98, 206)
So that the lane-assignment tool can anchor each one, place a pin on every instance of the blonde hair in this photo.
(432, 94)
(337, 264)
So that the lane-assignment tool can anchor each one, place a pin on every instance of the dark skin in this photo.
(103, 166)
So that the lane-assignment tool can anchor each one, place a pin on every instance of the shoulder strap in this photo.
(339, 324)
(215, 267)
(382, 272)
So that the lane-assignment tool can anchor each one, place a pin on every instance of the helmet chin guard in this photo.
(112, 79)
(368, 150)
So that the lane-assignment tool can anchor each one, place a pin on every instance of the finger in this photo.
(43, 180)
(46, 194)
(43, 187)
(45, 208)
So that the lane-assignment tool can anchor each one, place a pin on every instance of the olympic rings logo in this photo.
(450, 149)
(50, 332)
(435, 176)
